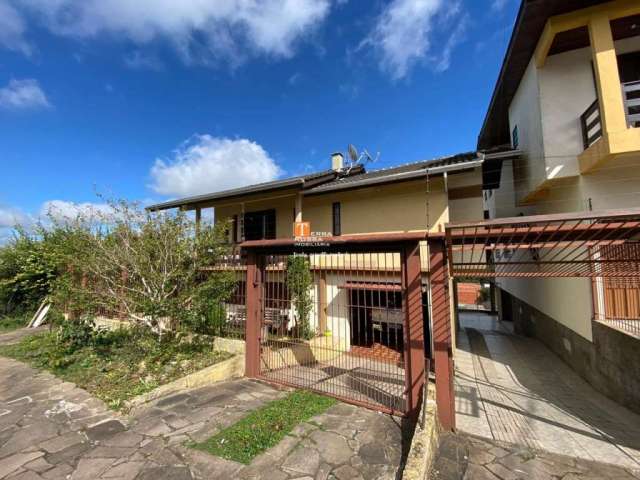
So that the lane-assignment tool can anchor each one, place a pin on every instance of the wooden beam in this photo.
(413, 329)
(441, 321)
(254, 316)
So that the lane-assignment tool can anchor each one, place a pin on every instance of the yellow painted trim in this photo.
(580, 18)
(605, 64)
(608, 148)
(594, 156)
(538, 193)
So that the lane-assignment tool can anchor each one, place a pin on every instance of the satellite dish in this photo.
(353, 153)
(358, 158)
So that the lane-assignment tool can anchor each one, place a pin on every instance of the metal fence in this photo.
(231, 319)
(345, 337)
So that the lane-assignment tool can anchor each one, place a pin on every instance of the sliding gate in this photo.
(337, 323)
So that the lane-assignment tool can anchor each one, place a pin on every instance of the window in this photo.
(336, 219)
(515, 141)
(234, 229)
(260, 225)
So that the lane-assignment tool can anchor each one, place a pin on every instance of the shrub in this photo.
(299, 283)
(73, 335)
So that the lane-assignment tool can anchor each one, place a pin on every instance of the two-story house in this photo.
(568, 97)
(355, 297)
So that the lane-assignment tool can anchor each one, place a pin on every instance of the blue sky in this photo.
(157, 99)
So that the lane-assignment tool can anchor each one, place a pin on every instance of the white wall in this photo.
(567, 89)
(524, 112)
(547, 109)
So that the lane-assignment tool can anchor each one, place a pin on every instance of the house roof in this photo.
(399, 173)
(329, 180)
(529, 24)
(291, 182)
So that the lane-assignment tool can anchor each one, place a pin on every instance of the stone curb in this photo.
(424, 444)
(219, 372)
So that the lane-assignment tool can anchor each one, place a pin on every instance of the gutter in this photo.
(444, 169)
(226, 194)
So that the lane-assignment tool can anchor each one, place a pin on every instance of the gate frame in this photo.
(411, 277)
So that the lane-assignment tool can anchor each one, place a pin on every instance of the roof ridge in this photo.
(429, 160)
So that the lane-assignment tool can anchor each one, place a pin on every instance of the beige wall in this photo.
(401, 207)
(283, 205)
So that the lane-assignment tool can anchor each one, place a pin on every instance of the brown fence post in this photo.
(253, 324)
(414, 328)
(441, 318)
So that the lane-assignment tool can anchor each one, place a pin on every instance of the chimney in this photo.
(337, 161)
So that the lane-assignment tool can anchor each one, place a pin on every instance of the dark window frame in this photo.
(336, 219)
(260, 225)
(234, 229)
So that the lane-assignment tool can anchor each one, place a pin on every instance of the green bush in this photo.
(73, 335)
(207, 314)
(299, 283)
(143, 264)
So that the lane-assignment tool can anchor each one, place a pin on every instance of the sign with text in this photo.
(302, 229)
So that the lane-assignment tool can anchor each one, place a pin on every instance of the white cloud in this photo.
(138, 60)
(23, 94)
(457, 35)
(62, 210)
(294, 79)
(202, 31)
(10, 217)
(499, 4)
(12, 29)
(402, 35)
(207, 164)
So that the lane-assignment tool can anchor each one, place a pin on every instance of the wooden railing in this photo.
(591, 124)
(631, 96)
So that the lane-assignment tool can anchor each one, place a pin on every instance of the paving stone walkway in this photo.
(51, 429)
(512, 389)
(462, 457)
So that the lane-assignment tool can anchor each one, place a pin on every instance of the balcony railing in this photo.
(591, 124)
(631, 96)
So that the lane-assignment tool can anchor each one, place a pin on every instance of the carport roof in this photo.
(588, 244)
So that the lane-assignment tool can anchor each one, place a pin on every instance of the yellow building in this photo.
(353, 295)
(349, 200)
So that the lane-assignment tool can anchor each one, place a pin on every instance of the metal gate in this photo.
(335, 323)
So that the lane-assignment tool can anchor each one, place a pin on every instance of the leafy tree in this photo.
(148, 265)
(29, 266)
(144, 265)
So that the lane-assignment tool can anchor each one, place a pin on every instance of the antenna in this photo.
(366, 154)
(353, 153)
(361, 157)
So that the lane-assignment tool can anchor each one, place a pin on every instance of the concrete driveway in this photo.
(50, 429)
(514, 391)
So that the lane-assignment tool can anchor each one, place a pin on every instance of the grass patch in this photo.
(13, 322)
(265, 427)
(119, 365)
